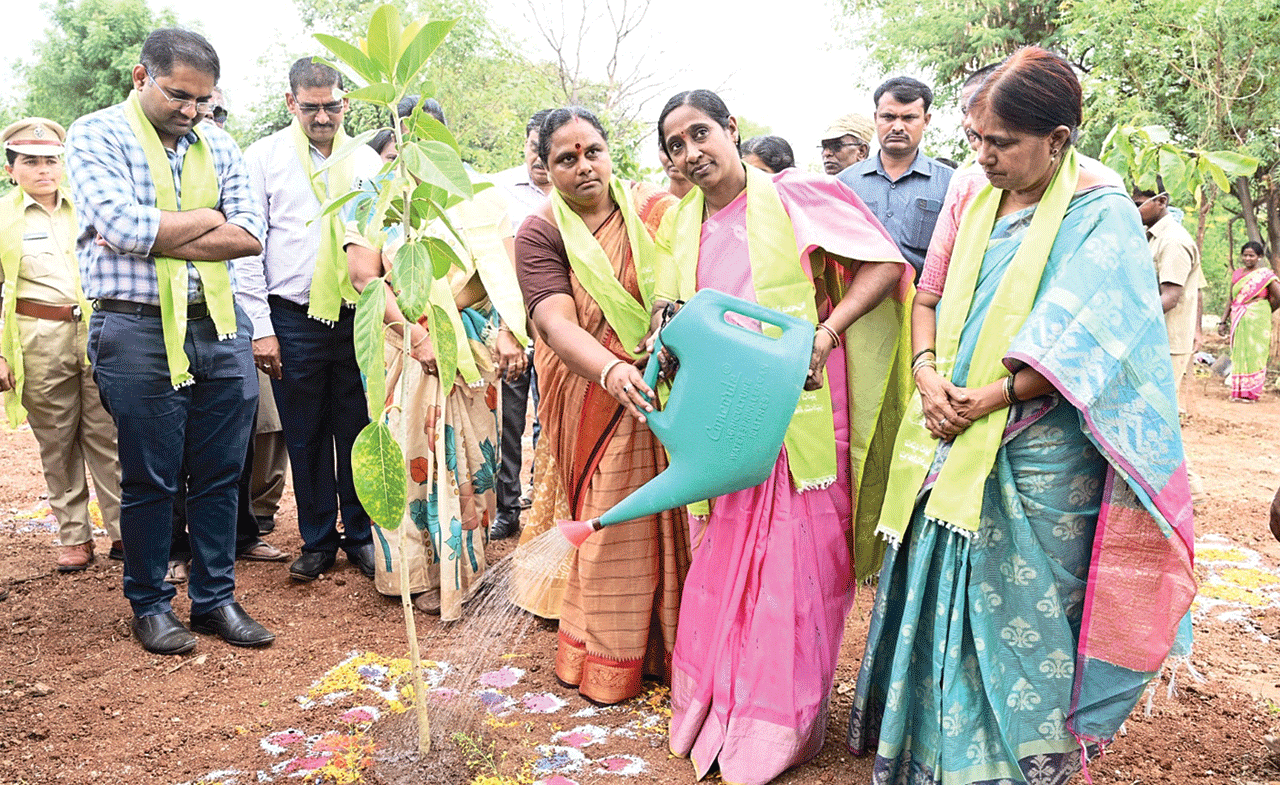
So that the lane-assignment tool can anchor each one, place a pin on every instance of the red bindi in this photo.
(577, 147)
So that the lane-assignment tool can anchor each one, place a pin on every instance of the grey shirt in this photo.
(909, 206)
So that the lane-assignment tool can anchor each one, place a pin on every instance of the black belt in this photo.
(194, 310)
(275, 300)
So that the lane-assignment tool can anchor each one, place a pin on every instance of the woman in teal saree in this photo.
(1016, 626)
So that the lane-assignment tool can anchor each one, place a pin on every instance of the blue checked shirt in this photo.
(115, 198)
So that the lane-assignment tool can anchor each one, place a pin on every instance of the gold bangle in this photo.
(415, 344)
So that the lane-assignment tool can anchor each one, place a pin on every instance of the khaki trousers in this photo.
(270, 455)
(70, 426)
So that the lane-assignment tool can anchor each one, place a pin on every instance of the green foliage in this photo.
(377, 468)
(488, 89)
(1140, 155)
(368, 331)
(85, 62)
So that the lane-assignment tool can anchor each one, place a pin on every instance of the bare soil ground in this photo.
(81, 702)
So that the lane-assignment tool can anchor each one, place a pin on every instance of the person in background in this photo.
(527, 186)
(1255, 293)
(846, 142)
(677, 184)
(164, 206)
(581, 259)
(1040, 558)
(44, 369)
(769, 154)
(903, 187)
(1178, 271)
(301, 301)
(384, 144)
(773, 573)
(217, 111)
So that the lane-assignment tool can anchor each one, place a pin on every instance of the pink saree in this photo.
(764, 604)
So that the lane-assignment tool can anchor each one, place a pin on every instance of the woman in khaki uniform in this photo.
(44, 369)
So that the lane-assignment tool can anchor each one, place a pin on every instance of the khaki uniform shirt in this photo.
(1177, 261)
(49, 271)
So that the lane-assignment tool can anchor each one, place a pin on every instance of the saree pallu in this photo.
(621, 589)
(998, 658)
(450, 441)
(1250, 332)
(763, 612)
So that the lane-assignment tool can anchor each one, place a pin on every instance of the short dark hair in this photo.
(306, 72)
(381, 139)
(173, 44)
(904, 90)
(557, 118)
(1150, 194)
(11, 156)
(1033, 91)
(977, 77)
(535, 122)
(1255, 246)
(774, 151)
(410, 102)
(704, 101)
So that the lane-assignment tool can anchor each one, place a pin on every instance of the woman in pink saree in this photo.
(764, 604)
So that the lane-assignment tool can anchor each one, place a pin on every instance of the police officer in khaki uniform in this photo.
(44, 368)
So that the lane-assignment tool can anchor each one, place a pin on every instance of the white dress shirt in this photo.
(288, 258)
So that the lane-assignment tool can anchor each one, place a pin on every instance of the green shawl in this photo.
(956, 500)
(200, 188)
(330, 283)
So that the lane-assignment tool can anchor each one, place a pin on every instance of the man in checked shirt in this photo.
(163, 205)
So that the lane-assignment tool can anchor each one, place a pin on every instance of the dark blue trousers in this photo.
(207, 425)
(322, 410)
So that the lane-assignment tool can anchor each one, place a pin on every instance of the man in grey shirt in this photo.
(902, 186)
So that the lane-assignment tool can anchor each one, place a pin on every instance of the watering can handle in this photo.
(652, 367)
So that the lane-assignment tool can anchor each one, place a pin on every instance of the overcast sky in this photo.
(786, 67)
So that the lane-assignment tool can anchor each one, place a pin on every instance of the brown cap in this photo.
(34, 136)
(859, 125)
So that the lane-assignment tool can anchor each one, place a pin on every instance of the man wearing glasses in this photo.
(163, 205)
(299, 296)
(846, 142)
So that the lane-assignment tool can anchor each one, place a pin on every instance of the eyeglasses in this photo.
(183, 104)
(333, 107)
(837, 146)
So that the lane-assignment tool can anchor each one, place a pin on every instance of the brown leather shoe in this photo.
(74, 558)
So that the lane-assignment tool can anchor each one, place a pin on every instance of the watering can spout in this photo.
(729, 406)
(577, 532)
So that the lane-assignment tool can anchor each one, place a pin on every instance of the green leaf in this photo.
(348, 149)
(1232, 164)
(356, 60)
(336, 204)
(445, 340)
(428, 167)
(443, 257)
(427, 127)
(384, 37)
(412, 274)
(423, 45)
(1215, 173)
(367, 332)
(1173, 170)
(377, 467)
(379, 93)
(1157, 134)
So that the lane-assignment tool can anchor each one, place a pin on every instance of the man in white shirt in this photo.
(299, 297)
(527, 187)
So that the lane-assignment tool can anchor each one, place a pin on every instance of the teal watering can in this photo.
(729, 407)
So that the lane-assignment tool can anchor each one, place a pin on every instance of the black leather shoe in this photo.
(311, 565)
(117, 551)
(362, 558)
(163, 634)
(266, 523)
(502, 528)
(233, 625)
